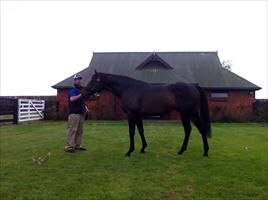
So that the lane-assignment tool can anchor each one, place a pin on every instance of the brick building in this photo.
(230, 96)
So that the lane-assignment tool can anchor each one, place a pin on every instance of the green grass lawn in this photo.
(237, 167)
(6, 117)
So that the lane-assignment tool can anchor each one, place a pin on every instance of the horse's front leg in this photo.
(131, 126)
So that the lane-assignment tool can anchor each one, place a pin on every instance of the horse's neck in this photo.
(116, 85)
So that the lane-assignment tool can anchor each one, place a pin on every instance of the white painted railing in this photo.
(30, 109)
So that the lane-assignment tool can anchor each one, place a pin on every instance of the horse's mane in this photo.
(123, 78)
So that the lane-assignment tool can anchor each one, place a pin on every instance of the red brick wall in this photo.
(102, 107)
(62, 99)
(238, 106)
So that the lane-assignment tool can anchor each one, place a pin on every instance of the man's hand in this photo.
(85, 93)
(86, 108)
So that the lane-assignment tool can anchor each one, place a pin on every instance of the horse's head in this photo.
(95, 85)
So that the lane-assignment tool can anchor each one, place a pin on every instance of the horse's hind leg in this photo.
(131, 126)
(198, 123)
(187, 130)
(141, 132)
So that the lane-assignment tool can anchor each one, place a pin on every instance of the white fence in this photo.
(30, 109)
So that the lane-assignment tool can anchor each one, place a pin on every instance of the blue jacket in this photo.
(78, 106)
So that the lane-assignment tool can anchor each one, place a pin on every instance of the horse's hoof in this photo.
(180, 152)
(142, 151)
(127, 155)
(206, 154)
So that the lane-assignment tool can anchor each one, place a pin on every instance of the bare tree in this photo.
(227, 64)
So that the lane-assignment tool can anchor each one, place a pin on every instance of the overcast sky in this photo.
(44, 42)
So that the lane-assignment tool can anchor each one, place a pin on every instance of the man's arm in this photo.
(75, 98)
(75, 95)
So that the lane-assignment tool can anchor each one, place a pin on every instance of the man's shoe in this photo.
(69, 150)
(80, 148)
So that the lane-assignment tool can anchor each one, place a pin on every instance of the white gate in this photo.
(30, 109)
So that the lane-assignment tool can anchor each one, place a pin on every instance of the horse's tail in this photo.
(204, 111)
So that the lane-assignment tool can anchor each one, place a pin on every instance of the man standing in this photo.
(76, 116)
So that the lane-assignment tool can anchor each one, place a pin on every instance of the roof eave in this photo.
(232, 88)
(60, 87)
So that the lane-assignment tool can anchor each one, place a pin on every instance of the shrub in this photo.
(260, 110)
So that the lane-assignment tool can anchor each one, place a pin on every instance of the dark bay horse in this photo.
(140, 99)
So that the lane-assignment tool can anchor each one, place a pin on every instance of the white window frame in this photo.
(219, 95)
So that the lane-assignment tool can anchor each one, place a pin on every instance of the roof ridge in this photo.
(125, 52)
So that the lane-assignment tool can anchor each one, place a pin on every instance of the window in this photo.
(252, 94)
(219, 95)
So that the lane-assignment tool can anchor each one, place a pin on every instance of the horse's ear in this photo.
(96, 71)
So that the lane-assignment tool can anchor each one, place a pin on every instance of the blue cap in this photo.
(77, 76)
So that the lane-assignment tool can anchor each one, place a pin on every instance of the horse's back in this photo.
(149, 99)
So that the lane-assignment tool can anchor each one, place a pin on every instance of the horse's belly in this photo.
(155, 106)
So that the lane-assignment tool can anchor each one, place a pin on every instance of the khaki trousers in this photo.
(75, 130)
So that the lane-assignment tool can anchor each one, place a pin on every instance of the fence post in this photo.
(15, 111)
